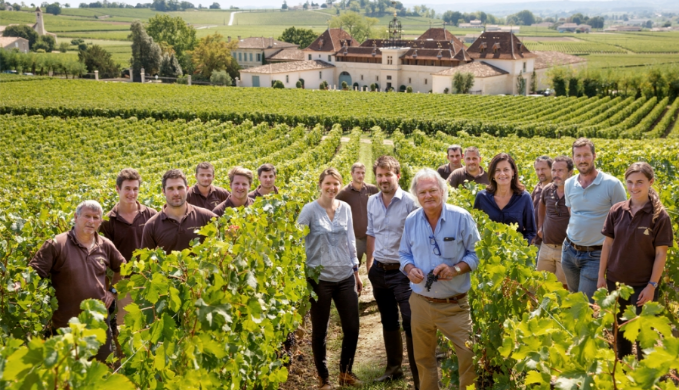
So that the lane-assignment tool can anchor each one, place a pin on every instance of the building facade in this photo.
(11, 43)
(254, 51)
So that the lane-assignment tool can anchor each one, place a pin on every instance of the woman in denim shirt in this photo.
(506, 200)
(331, 244)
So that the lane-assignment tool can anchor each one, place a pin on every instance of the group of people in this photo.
(419, 250)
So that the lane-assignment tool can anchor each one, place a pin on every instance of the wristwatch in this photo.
(654, 284)
(113, 291)
(457, 269)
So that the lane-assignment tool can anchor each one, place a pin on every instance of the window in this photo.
(390, 60)
(409, 81)
(524, 66)
(388, 77)
(259, 58)
(361, 77)
(329, 58)
(320, 75)
(250, 57)
(287, 79)
(309, 57)
(377, 78)
(240, 56)
(425, 81)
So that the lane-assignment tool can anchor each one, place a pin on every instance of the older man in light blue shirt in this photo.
(589, 196)
(439, 238)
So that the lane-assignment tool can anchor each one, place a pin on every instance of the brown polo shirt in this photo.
(445, 171)
(164, 232)
(215, 196)
(632, 255)
(535, 195)
(256, 194)
(556, 216)
(76, 274)
(358, 200)
(460, 175)
(219, 210)
(126, 236)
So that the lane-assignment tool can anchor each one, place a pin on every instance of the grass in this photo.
(621, 60)
(287, 19)
(250, 31)
(97, 35)
(116, 14)
(61, 23)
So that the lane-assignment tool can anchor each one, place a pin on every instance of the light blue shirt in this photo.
(385, 224)
(589, 207)
(331, 244)
(455, 235)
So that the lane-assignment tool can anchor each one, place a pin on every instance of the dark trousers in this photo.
(392, 291)
(344, 295)
(623, 345)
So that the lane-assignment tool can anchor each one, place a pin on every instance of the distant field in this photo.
(638, 42)
(116, 14)
(61, 23)
(289, 18)
(107, 35)
(204, 16)
(582, 47)
(250, 31)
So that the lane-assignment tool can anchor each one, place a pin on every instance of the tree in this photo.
(452, 17)
(285, 5)
(220, 78)
(468, 82)
(214, 54)
(145, 52)
(22, 31)
(173, 35)
(54, 8)
(215, 6)
(458, 82)
(522, 18)
(277, 84)
(649, 24)
(356, 25)
(96, 57)
(534, 82)
(574, 86)
(45, 42)
(169, 66)
(299, 36)
(63, 47)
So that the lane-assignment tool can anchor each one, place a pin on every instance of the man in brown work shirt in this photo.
(471, 171)
(356, 194)
(553, 217)
(454, 161)
(543, 170)
(125, 225)
(76, 261)
(240, 180)
(203, 193)
(175, 226)
(266, 173)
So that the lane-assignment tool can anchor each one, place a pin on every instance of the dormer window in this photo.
(496, 47)
(483, 47)
(320, 43)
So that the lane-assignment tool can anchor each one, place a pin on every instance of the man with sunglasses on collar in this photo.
(553, 217)
(437, 254)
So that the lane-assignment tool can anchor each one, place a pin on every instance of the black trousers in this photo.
(392, 292)
(623, 345)
(344, 295)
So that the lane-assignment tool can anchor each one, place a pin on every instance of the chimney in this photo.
(228, 39)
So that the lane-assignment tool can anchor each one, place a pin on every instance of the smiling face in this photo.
(560, 173)
(543, 171)
(638, 186)
(584, 159)
(240, 187)
(387, 180)
(472, 161)
(267, 180)
(429, 194)
(358, 175)
(503, 174)
(204, 177)
(330, 187)
(455, 158)
(128, 192)
(87, 223)
(175, 192)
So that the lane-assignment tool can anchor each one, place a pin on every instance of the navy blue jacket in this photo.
(518, 210)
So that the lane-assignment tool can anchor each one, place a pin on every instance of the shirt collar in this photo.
(196, 190)
(442, 217)
(189, 208)
(351, 186)
(114, 211)
(74, 239)
(648, 207)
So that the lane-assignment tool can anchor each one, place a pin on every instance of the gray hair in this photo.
(428, 173)
(90, 205)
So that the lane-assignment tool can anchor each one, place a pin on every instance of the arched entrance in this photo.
(344, 76)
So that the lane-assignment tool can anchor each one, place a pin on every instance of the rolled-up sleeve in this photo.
(44, 259)
(471, 237)
(405, 252)
(351, 238)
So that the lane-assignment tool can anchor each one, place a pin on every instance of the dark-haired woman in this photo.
(505, 199)
(331, 244)
(638, 232)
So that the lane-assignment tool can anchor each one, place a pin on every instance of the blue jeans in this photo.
(581, 269)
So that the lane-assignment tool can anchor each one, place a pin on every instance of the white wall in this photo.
(312, 78)
(495, 85)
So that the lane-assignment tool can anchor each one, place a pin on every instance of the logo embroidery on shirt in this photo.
(647, 231)
(101, 261)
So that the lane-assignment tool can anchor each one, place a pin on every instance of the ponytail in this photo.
(657, 205)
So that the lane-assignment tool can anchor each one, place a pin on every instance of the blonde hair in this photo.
(329, 172)
(240, 171)
(647, 170)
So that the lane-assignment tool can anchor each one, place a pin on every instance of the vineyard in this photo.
(214, 315)
(605, 117)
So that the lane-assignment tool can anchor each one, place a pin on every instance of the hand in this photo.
(444, 272)
(415, 275)
(109, 298)
(540, 233)
(601, 282)
(359, 284)
(646, 295)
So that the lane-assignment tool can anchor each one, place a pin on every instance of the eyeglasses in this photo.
(557, 208)
(437, 250)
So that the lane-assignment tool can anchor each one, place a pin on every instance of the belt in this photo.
(584, 248)
(452, 299)
(388, 266)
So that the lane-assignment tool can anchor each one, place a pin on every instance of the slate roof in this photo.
(285, 67)
(499, 45)
(332, 40)
(263, 43)
(548, 59)
(478, 68)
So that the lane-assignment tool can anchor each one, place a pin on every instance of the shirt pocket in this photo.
(451, 250)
